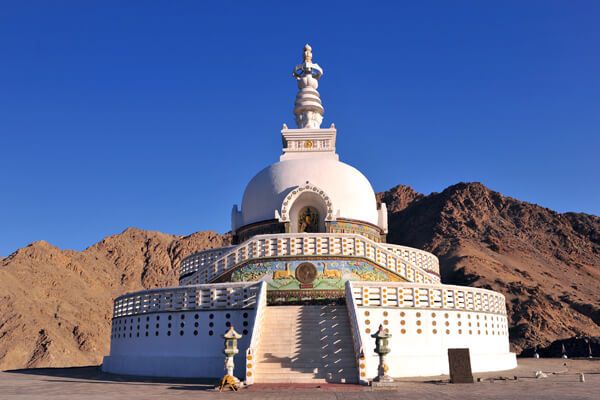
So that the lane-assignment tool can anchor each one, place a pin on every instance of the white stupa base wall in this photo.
(424, 321)
(172, 366)
(410, 365)
(177, 332)
(174, 355)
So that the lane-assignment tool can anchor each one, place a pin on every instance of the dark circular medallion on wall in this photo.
(306, 273)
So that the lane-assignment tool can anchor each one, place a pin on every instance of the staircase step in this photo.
(304, 371)
(308, 367)
(302, 378)
(304, 368)
(299, 351)
(284, 358)
(305, 344)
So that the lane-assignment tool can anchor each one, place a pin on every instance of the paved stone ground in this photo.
(91, 383)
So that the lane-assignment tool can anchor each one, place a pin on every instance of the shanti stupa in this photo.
(309, 278)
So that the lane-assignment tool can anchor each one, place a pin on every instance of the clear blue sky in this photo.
(155, 114)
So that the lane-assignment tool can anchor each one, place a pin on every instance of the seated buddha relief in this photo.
(308, 220)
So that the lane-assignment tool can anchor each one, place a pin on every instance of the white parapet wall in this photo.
(201, 260)
(425, 320)
(410, 264)
(420, 258)
(176, 332)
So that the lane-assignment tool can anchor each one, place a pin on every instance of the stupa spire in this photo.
(308, 109)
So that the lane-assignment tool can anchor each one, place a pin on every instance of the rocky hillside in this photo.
(55, 305)
(546, 263)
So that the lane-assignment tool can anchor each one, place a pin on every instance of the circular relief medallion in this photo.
(306, 273)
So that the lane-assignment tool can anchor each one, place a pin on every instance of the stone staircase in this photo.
(306, 344)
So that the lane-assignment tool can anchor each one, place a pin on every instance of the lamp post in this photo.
(382, 349)
(589, 347)
(564, 352)
(231, 337)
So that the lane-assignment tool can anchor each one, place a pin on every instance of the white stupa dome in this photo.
(350, 192)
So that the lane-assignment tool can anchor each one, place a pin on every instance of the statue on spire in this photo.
(307, 53)
(308, 109)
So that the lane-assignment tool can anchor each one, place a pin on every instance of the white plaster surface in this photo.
(424, 321)
(426, 353)
(177, 356)
(350, 191)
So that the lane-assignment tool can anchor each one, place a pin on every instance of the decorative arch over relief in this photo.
(300, 190)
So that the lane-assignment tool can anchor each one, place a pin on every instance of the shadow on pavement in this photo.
(94, 373)
(195, 388)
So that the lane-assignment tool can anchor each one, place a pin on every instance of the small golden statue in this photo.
(228, 381)
(308, 220)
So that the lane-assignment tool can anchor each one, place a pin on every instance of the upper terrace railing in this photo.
(416, 295)
(387, 256)
(201, 259)
(184, 298)
(420, 258)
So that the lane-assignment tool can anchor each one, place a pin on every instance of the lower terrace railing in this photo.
(314, 244)
(419, 295)
(193, 297)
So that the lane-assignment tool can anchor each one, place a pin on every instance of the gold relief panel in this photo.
(318, 274)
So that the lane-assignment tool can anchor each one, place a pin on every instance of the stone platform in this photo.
(91, 383)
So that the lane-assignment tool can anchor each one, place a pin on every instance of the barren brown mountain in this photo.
(55, 306)
(547, 264)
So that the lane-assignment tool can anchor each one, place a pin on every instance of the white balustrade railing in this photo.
(314, 244)
(420, 258)
(426, 296)
(184, 298)
(201, 259)
(256, 334)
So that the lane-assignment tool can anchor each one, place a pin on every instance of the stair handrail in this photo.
(251, 351)
(359, 354)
